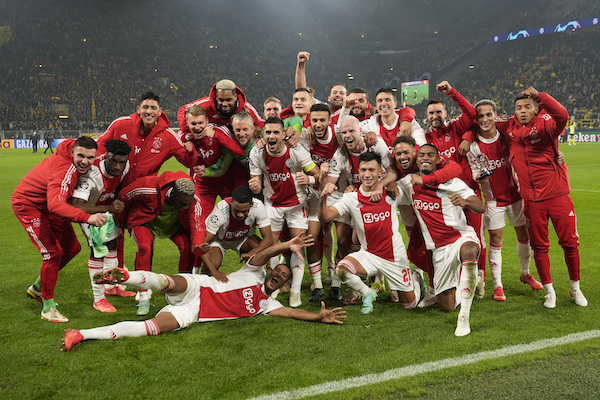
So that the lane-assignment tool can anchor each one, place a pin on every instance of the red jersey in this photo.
(209, 103)
(145, 199)
(533, 149)
(500, 186)
(448, 137)
(50, 184)
(148, 151)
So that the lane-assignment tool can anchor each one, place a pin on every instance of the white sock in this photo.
(95, 266)
(297, 267)
(495, 257)
(549, 289)
(315, 272)
(524, 254)
(354, 281)
(150, 280)
(574, 285)
(335, 279)
(122, 329)
(110, 262)
(468, 279)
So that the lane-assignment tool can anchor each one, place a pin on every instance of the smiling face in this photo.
(525, 110)
(436, 115)
(485, 119)
(360, 105)
(427, 159)
(272, 109)
(301, 103)
(350, 131)
(226, 101)
(115, 165)
(385, 104)
(337, 95)
(273, 136)
(369, 172)
(196, 123)
(149, 111)
(276, 278)
(404, 154)
(83, 158)
(242, 130)
(320, 120)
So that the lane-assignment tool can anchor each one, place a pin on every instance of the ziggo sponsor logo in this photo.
(279, 176)
(448, 152)
(369, 218)
(426, 206)
(249, 300)
(493, 164)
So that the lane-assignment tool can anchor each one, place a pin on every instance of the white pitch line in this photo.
(417, 369)
(585, 190)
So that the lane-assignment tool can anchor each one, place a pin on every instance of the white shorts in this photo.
(185, 306)
(446, 264)
(397, 273)
(224, 245)
(86, 231)
(295, 216)
(495, 217)
(313, 204)
(346, 219)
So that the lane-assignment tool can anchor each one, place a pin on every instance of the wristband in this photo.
(311, 180)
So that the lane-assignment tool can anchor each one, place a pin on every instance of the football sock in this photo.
(574, 285)
(48, 304)
(495, 256)
(549, 289)
(150, 280)
(297, 267)
(468, 279)
(38, 284)
(95, 266)
(524, 254)
(356, 283)
(122, 329)
(315, 272)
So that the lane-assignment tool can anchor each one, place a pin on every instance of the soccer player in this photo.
(446, 136)
(382, 249)
(287, 172)
(356, 104)
(152, 142)
(502, 198)
(224, 100)
(272, 107)
(343, 172)
(454, 243)
(96, 192)
(211, 142)
(230, 224)
(390, 123)
(163, 206)
(532, 137)
(302, 100)
(40, 202)
(200, 298)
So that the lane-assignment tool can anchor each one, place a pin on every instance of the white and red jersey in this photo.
(221, 224)
(97, 187)
(441, 222)
(375, 222)
(243, 296)
(389, 133)
(281, 188)
(322, 151)
(500, 186)
(344, 164)
(209, 148)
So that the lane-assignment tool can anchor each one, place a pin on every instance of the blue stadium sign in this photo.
(562, 27)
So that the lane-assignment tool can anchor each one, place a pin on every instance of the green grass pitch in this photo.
(265, 355)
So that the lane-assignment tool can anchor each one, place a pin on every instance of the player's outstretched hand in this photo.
(331, 316)
(299, 242)
(97, 219)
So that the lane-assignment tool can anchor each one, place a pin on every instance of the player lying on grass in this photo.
(201, 298)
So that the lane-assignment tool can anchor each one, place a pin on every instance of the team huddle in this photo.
(285, 183)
